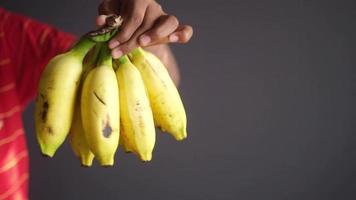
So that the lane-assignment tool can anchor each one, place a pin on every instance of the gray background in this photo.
(270, 93)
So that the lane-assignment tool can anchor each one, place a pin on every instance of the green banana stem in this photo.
(102, 34)
(136, 52)
(82, 47)
(123, 59)
(95, 56)
(115, 64)
(92, 58)
(104, 37)
(106, 32)
(105, 57)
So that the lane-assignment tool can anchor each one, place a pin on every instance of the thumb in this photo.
(100, 20)
(108, 7)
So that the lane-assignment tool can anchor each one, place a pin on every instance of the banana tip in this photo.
(106, 161)
(145, 161)
(48, 152)
(85, 165)
(107, 166)
(180, 138)
(146, 158)
(46, 155)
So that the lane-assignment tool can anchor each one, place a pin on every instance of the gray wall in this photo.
(270, 93)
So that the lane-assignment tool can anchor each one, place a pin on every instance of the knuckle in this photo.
(146, 25)
(137, 19)
(123, 37)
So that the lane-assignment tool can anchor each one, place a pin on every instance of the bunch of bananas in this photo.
(101, 103)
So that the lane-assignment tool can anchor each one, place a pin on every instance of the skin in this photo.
(145, 24)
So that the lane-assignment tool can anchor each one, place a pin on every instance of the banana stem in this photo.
(105, 57)
(106, 32)
(123, 59)
(95, 56)
(82, 47)
(136, 52)
(91, 58)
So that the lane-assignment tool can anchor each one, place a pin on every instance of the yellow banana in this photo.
(100, 110)
(136, 113)
(77, 138)
(168, 110)
(124, 141)
(55, 101)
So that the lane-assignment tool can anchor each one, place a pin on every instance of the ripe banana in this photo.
(136, 113)
(77, 138)
(168, 110)
(100, 110)
(55, 101)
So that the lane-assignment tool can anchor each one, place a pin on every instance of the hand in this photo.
(145, 24)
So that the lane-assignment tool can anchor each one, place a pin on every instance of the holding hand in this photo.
(145, 24)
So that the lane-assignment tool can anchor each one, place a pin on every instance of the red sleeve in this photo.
(31, 45)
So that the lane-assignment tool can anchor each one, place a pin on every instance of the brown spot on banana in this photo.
(44, 111)
(107, 129)
(96, 95)
(50, 131)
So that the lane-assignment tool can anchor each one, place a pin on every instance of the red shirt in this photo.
(25, 48)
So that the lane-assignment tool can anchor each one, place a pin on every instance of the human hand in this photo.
(144, 24)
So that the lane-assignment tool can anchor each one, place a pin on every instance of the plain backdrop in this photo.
(270, 93)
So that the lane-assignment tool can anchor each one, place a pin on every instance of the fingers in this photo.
(131, 44)
(131, 22)
(100, 20)
(182, 35)
(153, 13)
(144, 24)
(164, 26)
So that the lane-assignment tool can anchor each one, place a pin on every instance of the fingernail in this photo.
(173, 38)
(145, 40)
(116, 53)
(113, 44)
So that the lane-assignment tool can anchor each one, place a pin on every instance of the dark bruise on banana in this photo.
(107, 130)
(44, 111)
(44, 108)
